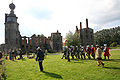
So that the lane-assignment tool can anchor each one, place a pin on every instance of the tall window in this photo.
(16, 41)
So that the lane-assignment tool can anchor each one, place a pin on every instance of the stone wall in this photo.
(56, 42)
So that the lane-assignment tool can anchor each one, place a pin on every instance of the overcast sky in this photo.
(47, 16)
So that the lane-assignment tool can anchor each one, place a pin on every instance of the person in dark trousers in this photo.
(68, 53)
(77, 52)
(40, 58)
(13, 52)
(0, 54)
(106, 51)
(20, 53)
(93, 51)
(83, 53)
(72, 51)
(65, 52)
(88, 52)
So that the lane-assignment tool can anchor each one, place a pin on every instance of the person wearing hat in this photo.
(93, 51)
(99, 54)
(106, 51)
(40, 58)
(88, 52)
(83, 52)
(20, 53)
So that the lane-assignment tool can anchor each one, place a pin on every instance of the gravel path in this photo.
(114, 49)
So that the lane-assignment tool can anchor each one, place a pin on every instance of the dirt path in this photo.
(114, 49)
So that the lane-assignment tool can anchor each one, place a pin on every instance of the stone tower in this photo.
(86, 35)
(12, 34)
(56, 41)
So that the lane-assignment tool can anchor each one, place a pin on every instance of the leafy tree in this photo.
(107, 36)
(72, 39)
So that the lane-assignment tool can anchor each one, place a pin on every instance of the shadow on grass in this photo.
(15, 61)
(76, 62)
(112, 68)
(114, 60)
(23, 59)
(75, 59)
(53, 75)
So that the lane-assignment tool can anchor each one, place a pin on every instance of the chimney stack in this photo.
(86, 23)
(80, 25)
(76, 28)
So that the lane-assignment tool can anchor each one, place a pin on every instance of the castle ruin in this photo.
(13, 39)
(86, 34)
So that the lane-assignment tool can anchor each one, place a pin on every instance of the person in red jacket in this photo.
(88, 52)
(93, 51)
(106, 51)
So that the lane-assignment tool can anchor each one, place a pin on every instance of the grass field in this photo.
(56, 68)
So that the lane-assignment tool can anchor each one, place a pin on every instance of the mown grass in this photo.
(56, 68)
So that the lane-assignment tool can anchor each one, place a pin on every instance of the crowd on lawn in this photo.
(13, 53)
(89, 52)
(74, 51)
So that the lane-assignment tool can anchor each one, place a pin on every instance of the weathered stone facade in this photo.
(30, 44)
(56, 42)
(12, 34)
(86, 35)
(13, 39)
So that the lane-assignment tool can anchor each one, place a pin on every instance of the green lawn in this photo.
(56, 68)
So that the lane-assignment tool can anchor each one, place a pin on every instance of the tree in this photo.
(72, 39)
(107, 36)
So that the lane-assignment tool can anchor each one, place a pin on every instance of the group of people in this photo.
(82, 52)
(13, 53)
(74, 51)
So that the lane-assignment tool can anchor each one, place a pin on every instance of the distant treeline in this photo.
(111, 37)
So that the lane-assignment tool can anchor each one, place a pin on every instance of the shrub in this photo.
(118, 46)
(114, 44)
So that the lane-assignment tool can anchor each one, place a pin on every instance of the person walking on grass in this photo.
(83, 53)
(10, 54)
(93, 51)
(72, 51)
(13, 52)
(68, 53)
(106, 51)
(99, 54)
(88, 52)
(64, 52)
(40, 58)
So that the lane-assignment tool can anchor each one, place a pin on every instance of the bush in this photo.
(118, 46)
(114, 44)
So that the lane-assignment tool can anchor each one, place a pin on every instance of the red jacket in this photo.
(106, 52)
(93, 50)
(88, 50)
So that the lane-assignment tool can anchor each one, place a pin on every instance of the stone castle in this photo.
(13, 39)
(86, 34)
